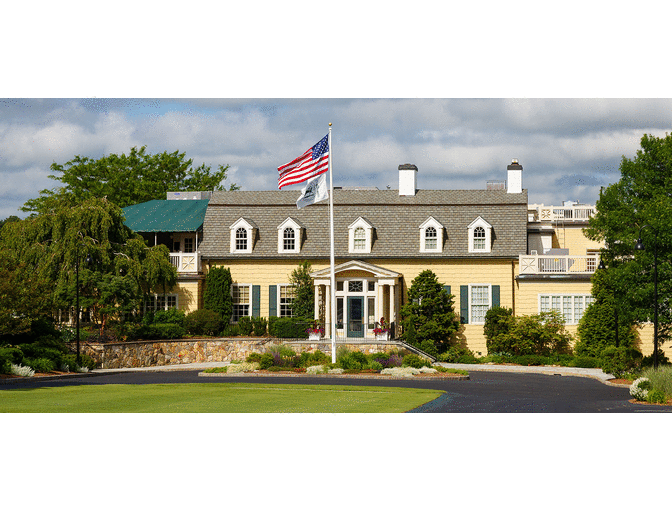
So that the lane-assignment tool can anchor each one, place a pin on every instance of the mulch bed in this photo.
(361, 375)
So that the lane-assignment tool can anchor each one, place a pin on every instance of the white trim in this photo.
(297, 227)
(250, 230)
(368, 233)
(573, 295)
(249, 303)
(431, 222)
(277, 299)
(471, 313)
(480, 222)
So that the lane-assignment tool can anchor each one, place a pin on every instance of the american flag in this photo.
(314, 161)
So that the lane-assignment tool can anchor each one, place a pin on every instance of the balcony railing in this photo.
(558, 264)
(186, 262)
(566, 213)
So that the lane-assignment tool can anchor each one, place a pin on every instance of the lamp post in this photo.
(601, 267)
(640, 246)
(88, 261)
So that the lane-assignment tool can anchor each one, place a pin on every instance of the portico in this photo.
(364, 294)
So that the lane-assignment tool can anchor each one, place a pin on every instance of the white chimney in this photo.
(514, 177)
(408, 179)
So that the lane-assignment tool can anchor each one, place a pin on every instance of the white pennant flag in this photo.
(315, 191)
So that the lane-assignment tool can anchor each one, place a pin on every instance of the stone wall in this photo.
(150, 353)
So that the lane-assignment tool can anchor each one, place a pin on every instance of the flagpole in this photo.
(331, 235)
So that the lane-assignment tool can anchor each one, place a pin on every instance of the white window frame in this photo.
(249, 228)
(234, 315)
(154, 301)
(472, 320)
(297, 228)
(279, 302)
(480, 222)
(368, 235)
(431, 223)
(565, 301)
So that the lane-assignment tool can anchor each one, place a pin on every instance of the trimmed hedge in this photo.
(288, 327)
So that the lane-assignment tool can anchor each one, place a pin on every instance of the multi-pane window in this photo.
(360, 239)
(479, 238)
(286, 300)
(156, 302)
(189, 245)
(241, 239)
(355, 286)
(241, 302)
(288, 239)
(431, 238)
(572, 307)
(479, 303)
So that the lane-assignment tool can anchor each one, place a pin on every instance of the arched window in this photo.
(289, 241)
(431, 238)
(241, 239)
(479, 238)
(360, 239)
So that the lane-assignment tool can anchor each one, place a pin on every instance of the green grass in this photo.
(214, 398)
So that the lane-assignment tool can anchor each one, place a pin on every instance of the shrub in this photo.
(11, 354)
(540, 334)
(253, 357)
(647, 361)
(429, 347)
(217, 295)
(618, 361)
(640, 388)
(203, 322)
(530, 360)
(656, 397)
(374, 365)
(171, 316)
(41, 365)
(415, 361)
(231, 330)
(454, 353)
(266, 361)
(288, 327)
(586, 362)
(85, 362)
(259, 324)
(160, 331)
(497, 324)
(245, 325)
(22, 371)
(660, 379)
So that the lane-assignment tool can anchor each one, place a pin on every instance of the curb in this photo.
(456, 377)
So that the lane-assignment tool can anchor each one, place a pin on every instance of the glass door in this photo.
(355, 317)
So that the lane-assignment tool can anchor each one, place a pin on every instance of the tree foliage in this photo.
(304, 293)
(640, 201)
(597, 327)
(541, 334)
(217, 295)
(116, 268)
(429, 313)
(126, 179)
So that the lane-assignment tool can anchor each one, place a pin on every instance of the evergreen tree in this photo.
(304, 293)
(217, 295)
(429, 313)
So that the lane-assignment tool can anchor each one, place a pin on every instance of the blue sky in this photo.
(568, 147)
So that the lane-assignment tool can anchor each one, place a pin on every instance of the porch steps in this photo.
(417, 351)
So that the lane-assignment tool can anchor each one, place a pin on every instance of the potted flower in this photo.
(382, 332)
(315, 332)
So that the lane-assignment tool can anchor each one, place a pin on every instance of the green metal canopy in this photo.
(166, 216)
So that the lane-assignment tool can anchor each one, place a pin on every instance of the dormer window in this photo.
(242, 236)
(480, 236)
(360, 236)
(289, 236)
(431, 236)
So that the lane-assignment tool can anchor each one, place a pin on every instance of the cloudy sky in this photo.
(568, 147)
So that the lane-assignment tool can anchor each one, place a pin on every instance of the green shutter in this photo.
(256, 300)
(495, 295)
(464, 304)
(272, 300)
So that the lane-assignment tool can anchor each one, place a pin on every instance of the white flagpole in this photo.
(331, 234)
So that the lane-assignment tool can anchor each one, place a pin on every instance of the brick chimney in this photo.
(408, 179)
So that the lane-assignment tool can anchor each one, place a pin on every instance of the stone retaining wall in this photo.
(149, 353)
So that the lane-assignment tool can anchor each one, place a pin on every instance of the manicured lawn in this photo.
(214, 398)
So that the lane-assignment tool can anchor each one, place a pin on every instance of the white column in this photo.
(380, 310)
(327, 316)
(316, 314)
(393, 304)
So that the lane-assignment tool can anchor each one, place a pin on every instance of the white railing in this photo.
(558, 264)
(566, 213)
(186, 262)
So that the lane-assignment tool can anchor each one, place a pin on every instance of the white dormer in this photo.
(431, 236)
(242, 236)
(289, 236)
(480, 236)
(360, 236)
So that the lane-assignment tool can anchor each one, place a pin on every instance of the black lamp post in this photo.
(88, 261)
(640, 246)
(602, 266)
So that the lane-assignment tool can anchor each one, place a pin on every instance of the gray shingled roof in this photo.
(396, 221)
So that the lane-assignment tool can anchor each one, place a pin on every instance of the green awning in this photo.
(166, 216)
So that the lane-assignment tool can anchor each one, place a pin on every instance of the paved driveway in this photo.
(484, 392)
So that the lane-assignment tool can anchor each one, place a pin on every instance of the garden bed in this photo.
(359, 375)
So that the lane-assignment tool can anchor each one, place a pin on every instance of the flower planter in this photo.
(314, 336)
(383, 337)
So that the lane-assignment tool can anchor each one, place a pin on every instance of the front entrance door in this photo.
(355, 317)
